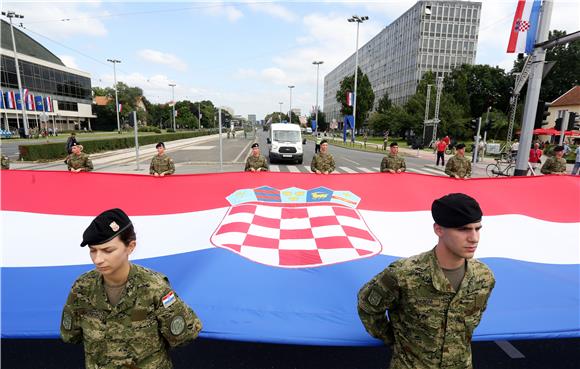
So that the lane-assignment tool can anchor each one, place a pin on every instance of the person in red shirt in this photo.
(441, 146)
(535, 155)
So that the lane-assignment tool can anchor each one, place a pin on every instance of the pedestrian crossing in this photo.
(351, 170)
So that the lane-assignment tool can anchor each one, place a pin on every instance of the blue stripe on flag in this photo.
(534, 18)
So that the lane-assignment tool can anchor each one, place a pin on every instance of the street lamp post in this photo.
(280, 114)
(115, 61)
(290, 112)
(317, 63)
(358, 20)
(172, 85)
(10, 15)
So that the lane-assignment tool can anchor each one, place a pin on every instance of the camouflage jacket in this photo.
(394, 162)
(554, 165)
(323, 163)
(430, 324)
(256, 163)
(137, 331)
(162, 164)
(81, 161)
(5, 162)
(458, 166)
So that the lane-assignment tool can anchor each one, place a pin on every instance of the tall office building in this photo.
(431, 36)
(57, 92)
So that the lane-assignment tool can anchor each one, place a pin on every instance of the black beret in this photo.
(455, 210)
(460, 146)
(558, 148)
(160, 144)
(323, 142)
(105, 227)
(394, 144)
(255, 145)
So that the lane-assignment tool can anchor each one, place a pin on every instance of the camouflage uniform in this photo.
(137, 331)
(394, 162)
(458, 166)
(81, 161)
(5, 163)
(430, 324)
(322, 162)
(554, 165)
(256, 163)
(162, 164)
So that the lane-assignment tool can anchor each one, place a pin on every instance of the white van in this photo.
(285, 143)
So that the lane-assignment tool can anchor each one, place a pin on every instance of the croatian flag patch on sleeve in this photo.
(168, 299)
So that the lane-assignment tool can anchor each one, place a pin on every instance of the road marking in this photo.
(244, 150)
(354, 162)
(347, 169)
(510, 350)
(367, 170)
(293, 168)
(196, 148)
(274, 168)
(376, 169)
(435, 171)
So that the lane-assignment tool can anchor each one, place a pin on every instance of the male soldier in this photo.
(256, 162)
(555, 164)
(458, 166)
(393, 163)
(323, 162)
(161, 164)
(78, 161)
(126, 315)
(435, 299)
(5, 163)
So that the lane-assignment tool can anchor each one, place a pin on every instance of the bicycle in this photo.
(501, 167)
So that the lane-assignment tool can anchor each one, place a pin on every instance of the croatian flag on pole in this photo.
(280, 257)
(30, 102)
(524, 27)
(349, 98)
(10, 100)
(48, 104)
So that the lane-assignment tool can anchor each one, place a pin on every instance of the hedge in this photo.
(57, 150)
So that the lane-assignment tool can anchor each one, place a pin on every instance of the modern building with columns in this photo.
(44, 75)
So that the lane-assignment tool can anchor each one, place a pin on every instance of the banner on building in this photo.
(280, 258)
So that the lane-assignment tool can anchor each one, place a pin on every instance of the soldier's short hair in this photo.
(394, 144)
(323, 142)
(160, 144)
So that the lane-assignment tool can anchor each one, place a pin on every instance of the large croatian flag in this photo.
(280, 257)
(524, 27)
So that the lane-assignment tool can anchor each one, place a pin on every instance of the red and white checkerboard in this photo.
(296, 236)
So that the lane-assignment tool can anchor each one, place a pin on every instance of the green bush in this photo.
(57, 150)
(149, 129)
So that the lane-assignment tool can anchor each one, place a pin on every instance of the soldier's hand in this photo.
(156, 174)
(162, 174)
(398, 170)
(325, 172)
(252, 169)
(318, 172)
(391, 171)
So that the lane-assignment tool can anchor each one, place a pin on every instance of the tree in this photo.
(364, 100)
(321, 125)
(564, 75)
(277, 117)
(384, 104)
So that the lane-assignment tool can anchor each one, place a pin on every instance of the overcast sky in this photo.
(239, 54)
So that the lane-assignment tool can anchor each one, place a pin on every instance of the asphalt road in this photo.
(214, 354)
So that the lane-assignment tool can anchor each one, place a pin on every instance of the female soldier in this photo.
(126, 315)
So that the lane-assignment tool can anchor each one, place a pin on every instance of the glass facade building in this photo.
(431, 36)
(44, 75)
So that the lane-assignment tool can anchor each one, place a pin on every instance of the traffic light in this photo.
(542, 114)
(558, 126)
(488, 125)
(473, 124)
(572, 120)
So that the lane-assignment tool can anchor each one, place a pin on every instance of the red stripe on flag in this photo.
(299, 213)
(514, 34)
(345, 212)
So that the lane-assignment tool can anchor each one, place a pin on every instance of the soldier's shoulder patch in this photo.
(169, 299)
(374, 298)
(177, 325)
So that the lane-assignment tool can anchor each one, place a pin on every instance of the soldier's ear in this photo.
(131, 246)
(438, 229)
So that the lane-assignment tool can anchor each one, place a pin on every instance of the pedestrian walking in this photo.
(535, 157)
(514, 149)
(323, 162)
(256, 162)
(70, 141)
(78, 161)
(441, 145)
(161, 164)
(577, 162)
(426, 307)
(458, 166)
(317, 142)
(555, 164)
(393, 163)
(125, 315)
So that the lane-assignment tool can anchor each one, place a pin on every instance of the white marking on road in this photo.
(435, 171)
(367, 170)
(274, 168)
(376, 169)
(244, 151)
(293, 168)
(354, 162)
(347, 169)
(510, 350)
(197, 148)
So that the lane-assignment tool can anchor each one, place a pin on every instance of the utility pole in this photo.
(10, 15)
(290, 113)
(534, 84)
(115, 61)
(437, 103)
(358, 20)
(317, 63)
(172, 85)
(280, 115)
